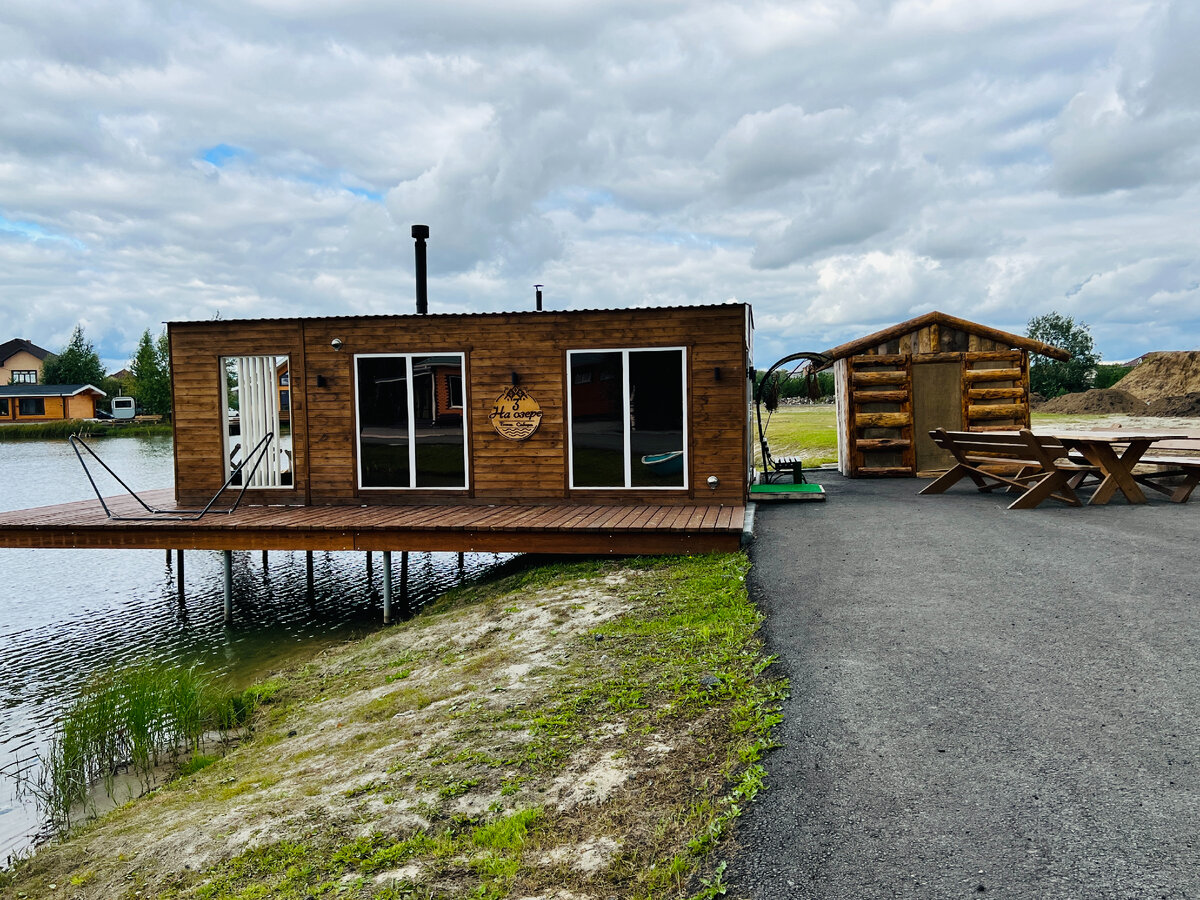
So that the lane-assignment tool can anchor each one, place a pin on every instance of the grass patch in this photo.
(808, 431)
(592, 727)
(131, 718)
(64, 428)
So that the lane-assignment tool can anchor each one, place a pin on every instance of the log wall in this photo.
(875, 394)
(532, 345)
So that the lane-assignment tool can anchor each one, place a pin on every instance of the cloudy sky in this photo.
(840, 165)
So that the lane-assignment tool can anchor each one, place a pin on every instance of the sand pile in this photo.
(1187, 405)
(1166, 374)
(1098, 401)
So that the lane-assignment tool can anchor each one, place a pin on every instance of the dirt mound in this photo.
(1167, 374)
(1187, 405)
(1107, 400)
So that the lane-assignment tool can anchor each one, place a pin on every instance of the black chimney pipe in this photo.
(538, 288)
(420, 233)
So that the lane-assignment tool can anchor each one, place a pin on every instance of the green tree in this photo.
(151, 371)
(1052, 377)
(76, 363)
(1107, 376)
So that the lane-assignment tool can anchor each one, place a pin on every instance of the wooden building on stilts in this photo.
(895, 386)
(618, 431)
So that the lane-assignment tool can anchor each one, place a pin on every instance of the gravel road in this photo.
(984, 703)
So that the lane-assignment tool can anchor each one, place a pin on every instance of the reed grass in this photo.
(132, 718)
(64, 428)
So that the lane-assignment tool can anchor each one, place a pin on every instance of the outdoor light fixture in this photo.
(336, 344)
(713, 482)
(716, 373)
(516, 379)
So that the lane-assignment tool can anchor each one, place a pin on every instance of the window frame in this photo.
(21, 414)
(412, 422)
(626, 403)
(5, 408)
(24, 376)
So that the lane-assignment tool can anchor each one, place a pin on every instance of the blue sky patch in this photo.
(221, 154)
(33, 232)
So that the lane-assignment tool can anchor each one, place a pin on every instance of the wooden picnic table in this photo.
(1114, 453)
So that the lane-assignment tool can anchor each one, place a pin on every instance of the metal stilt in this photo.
(264, 561)
(179, 573)
(308, 573)
(228, 586)
(404, 610)
(387, 587)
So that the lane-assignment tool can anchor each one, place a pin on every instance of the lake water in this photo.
(64, 614)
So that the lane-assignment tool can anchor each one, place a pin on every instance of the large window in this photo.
(410, 430)
(627, 413)
(4, 406)
(24, 376)
(31, 406)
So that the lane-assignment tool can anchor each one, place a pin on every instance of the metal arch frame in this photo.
(818, 362)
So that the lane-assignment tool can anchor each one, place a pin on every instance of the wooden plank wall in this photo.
(533, 345)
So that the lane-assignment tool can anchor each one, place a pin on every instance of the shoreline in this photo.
(586, 728)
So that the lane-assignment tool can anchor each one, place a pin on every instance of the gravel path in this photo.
(984, 703)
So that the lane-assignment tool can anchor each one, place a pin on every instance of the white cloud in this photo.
(841, 165)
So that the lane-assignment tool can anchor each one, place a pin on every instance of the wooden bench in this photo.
(1176, 459)
(1034, 465)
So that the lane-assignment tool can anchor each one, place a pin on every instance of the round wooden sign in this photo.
(516, 415)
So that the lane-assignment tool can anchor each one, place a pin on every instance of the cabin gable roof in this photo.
(1020, 342)
(9, 349)
(48, 390)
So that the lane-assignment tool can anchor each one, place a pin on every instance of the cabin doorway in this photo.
(256, 389)
(937, 403)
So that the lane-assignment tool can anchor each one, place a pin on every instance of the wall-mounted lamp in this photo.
(336, 344)
(716, 373)
(516, 379)
(321, 382)
(713, 482)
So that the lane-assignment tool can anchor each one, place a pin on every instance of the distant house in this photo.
(42, 402)
(21, 362)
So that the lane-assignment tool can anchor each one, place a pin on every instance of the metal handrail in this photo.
(258, 454)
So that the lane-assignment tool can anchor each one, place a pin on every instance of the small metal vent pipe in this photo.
(420, 233)
(538, 288)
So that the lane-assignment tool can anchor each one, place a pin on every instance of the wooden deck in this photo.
(561, 528)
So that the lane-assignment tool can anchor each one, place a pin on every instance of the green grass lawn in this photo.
(808, 431)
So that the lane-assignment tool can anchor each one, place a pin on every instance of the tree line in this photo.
(150, 371)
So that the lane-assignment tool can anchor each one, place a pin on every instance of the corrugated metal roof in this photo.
(461, 315)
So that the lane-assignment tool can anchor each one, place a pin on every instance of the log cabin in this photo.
(896, 385)
(47, 402)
